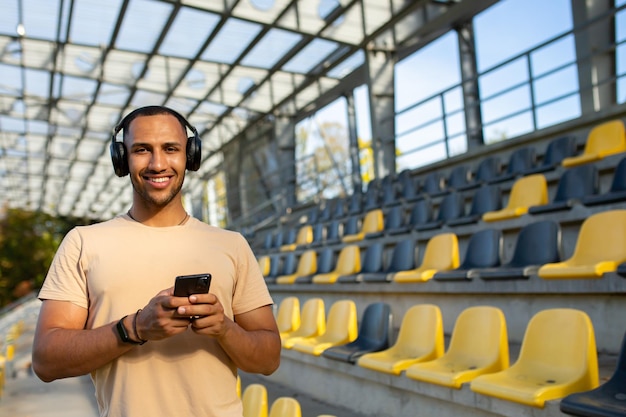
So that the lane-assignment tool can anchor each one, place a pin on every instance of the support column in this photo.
(353, 145)
(285, 134)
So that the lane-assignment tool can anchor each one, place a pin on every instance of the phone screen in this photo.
(185, 285)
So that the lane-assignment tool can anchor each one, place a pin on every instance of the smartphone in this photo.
(185, 285)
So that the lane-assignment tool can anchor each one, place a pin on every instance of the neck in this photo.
(162, 218)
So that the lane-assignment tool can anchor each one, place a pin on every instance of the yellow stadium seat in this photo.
(264, 264)
(288, 315)
(600, 248)
(531, 190)
(348, 262)
(373, 222)
(285, 407)
(304, 237)
(312, 323)
(441, 254)
(255, 401)
(341, 328)
(606, 139)
(307, 265)
(558, 357)
(478, 345)
(420, 339)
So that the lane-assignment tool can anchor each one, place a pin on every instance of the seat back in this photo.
(489, 168)
(275, 265)
(486, 198)
(288, 315)
(601, 238)
(285, 407)
(289, 264)
(349, 260)
(307, 264)
(577, 182)
(452, 207)
(325, 261)
(559, 149)
(305, 235)
(537, 243)
(484, 249)
(531, 190)
(394, 218)
(459, 177)
(560, 344)
(332, 230)
(421, 332)
(480, 336)
(372, 258)
(318, 233)
(373, 221)
(312, 317)
(606, 138)
(521, 160)
(619, 177)
(433, 183)
(351, 226)
(421, 213)
(375, 327)
(355, 203)
(441, 252)
(342, 322)
(264, 264)
(254, 401)
(402, 256)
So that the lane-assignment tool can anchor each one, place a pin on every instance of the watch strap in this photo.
(123, 333)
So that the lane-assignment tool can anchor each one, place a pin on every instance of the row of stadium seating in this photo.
(557, 359)
(600, 249)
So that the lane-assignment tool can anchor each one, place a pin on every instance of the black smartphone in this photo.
(185, 285)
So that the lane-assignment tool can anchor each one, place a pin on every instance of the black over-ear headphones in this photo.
(119, 157)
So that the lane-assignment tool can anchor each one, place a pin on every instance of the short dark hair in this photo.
(150, 111)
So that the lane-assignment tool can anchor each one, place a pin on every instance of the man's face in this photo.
(156, 158)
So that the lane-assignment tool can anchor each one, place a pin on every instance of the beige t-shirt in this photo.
(116, 267)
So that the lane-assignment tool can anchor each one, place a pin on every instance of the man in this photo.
(108, 306)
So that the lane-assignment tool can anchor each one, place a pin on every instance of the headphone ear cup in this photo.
(194, 153)
(118, 158)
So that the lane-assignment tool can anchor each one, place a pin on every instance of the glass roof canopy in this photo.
(70, 69)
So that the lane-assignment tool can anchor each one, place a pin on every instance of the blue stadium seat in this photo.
(402, 259)
(575, 184)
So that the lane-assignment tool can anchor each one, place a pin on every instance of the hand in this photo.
(206, 315)
(159, 319)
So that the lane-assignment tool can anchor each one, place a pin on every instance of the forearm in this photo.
(254, 351)
(61, 353)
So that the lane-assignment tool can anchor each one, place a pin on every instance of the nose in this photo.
(158, 161)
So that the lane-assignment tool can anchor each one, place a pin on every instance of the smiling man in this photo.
(107, 303)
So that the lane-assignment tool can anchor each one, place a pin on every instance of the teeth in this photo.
(158, 179)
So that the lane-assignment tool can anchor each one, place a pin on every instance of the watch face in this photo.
(121, 330)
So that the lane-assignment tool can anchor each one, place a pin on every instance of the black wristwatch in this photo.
(121, 330)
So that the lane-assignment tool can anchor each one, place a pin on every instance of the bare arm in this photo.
(62, 348)
(252, 340)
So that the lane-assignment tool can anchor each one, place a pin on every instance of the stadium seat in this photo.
(312, 323)
(486, 198)
(420, 339)
(348, 262)
(558, 149)
(402, 258)
(325, 264)
(372, 222)
(288, 315)
(409, 186)
(333, 233)
(616, 193)
(372, 262)
(557, 357)
(286, 265)
(484, 250)
(478, 345)
(520, 161)
(452, 206)
(421, 213)
(389, 195)
(285, 407)
(537, 244)
(528, 191)
(575, 183)
(355, 204)
(254, 401)
(459, 177)
(371, 198)
(393, 220)
(341, 328)
(608, 400)
(288, 240)
(434, 184)
(605, 139)
(307, 265)
(265, 263)
(489, 168)
(303, 237)
(374, 335)
(318, 235)
(600, 248)
(351, 226)
(441, 253)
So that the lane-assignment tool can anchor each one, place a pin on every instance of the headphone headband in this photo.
(118, 149)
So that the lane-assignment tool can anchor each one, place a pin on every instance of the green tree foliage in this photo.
(28, 242)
